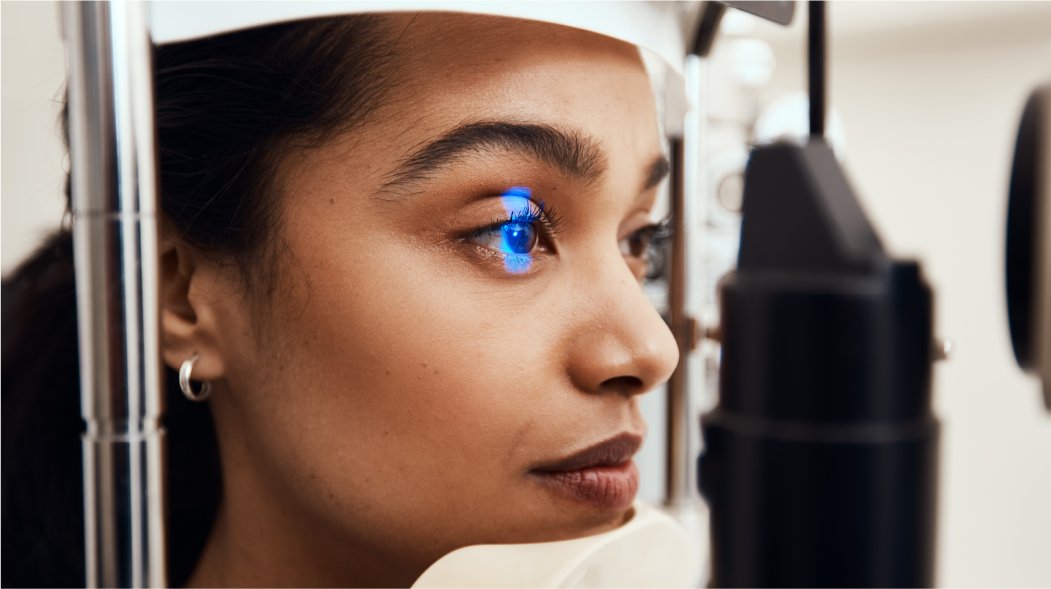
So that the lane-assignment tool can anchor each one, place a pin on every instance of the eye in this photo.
(643, 246)
(637, 244)
(528, 230)
(511, 237)
(514, 240)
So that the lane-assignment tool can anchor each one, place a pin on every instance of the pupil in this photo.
(518, 238)
(636, 245)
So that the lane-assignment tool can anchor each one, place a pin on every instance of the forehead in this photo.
(455, 68)
(481, 38)
(449, 71)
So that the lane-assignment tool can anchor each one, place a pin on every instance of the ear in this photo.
(188, 314)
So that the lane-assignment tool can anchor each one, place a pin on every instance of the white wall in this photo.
(32, 71)
(930, 112)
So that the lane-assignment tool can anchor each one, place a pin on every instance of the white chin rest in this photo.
(651, 550)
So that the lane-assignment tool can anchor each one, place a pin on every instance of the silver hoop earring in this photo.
(184, 381)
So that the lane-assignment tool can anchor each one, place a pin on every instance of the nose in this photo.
(618, 341)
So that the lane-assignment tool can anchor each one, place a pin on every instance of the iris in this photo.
(517, 238)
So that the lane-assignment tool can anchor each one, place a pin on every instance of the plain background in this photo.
(929, 95)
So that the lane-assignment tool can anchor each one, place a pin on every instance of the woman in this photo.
(404, 253)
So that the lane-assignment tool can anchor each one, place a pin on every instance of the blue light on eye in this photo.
(516, 239)
(517, 264)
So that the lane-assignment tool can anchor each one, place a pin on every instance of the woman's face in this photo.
(422, 359)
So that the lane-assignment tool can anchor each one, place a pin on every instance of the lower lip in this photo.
(605, 487)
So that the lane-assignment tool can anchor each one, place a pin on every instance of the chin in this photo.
(577, 521)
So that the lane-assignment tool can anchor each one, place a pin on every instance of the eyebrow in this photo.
(574, 154)
(656, 173)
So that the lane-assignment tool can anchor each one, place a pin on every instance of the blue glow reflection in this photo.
(518, 233)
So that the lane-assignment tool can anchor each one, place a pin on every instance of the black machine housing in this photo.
(821, 456)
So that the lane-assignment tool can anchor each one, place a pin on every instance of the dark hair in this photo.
(228, 107)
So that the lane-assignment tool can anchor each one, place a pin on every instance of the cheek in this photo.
(399, 383)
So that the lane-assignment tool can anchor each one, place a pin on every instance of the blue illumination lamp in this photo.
(518, 234)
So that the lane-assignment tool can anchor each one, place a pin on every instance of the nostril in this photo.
(625, 385)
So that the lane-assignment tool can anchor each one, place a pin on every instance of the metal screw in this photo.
(942, 348)
(710, 332)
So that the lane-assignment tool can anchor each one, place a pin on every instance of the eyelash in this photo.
(543, 215)
(659, 233)
(655, 237)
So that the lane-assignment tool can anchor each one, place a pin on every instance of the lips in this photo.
(602, 475)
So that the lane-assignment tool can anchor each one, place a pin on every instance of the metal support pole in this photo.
(678, 402)
(816, 66)
(683, 444)
(112, 151)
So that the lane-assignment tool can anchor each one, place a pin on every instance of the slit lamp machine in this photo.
(819, 460)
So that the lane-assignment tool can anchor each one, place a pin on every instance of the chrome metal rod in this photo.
(683, 441)
(678, 401)
(112, 152)
(817, 69)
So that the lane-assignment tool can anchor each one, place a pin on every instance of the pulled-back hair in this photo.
(227, 109)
